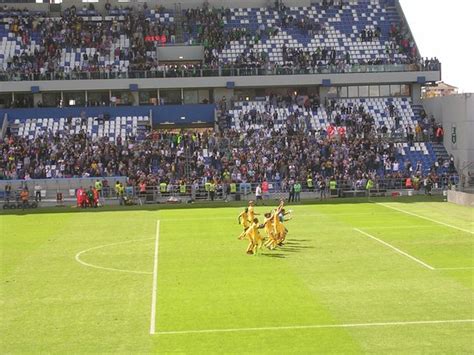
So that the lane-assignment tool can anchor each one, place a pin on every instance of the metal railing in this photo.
(224, 71)
(234, 191)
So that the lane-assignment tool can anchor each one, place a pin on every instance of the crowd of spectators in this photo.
(204, 25)
(282, 155)
(426, 129)
(71, 31)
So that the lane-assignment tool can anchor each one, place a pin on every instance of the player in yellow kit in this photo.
(244, 221)
(282, 218)
(272, 224)
(267, 224)
(254, 237)
(251, 211)
(278, 227)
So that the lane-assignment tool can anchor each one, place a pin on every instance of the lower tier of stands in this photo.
(265, 139)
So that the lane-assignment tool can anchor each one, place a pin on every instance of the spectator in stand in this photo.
(8, 190)
(291, 189)
(439, 134)
(322, 186)
(119, 192)
(24, 197)
(98, 186)
(37, 189)
(265, 189)
(297, 189)
(258, 194)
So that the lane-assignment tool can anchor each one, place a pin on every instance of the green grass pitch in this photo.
(353, 278)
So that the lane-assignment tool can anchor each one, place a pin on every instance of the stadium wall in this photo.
(456, 114)
(51, 186)
(221, 82)
(461, 198)
(173, 53)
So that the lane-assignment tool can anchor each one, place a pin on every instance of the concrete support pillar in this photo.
(219, 93)
(323, 94)
(416, 94)
(37, 98)
(136, 99)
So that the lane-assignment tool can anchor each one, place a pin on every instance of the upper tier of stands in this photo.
(124, 41)
(309, 28)
(81, 40)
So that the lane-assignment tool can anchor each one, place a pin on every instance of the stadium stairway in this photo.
(440, 151)
(178, 19)
(425, 152)
(417, 109)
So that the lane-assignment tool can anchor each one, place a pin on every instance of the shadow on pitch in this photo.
(296, 249)
(274, 255)
(295, 244)
(290, 247)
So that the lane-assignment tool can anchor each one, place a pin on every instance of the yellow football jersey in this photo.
(251, 214)
(245, 220)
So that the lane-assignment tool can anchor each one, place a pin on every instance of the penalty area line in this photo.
(317, 326)
(396, 249)
(426, 218)
(155, 280)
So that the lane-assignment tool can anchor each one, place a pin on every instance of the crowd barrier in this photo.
(50, 188)
(65, 191)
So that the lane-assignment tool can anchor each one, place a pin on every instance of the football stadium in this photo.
(223, 176)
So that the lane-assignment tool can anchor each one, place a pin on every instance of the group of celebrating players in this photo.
(272, 224)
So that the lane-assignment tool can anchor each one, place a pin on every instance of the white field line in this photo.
(78, 258)
(318, 326)
(155, 280)
(396, 249)
(423, 217)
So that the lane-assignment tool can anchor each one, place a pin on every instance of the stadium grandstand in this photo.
(191, 95)
(232, 177)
